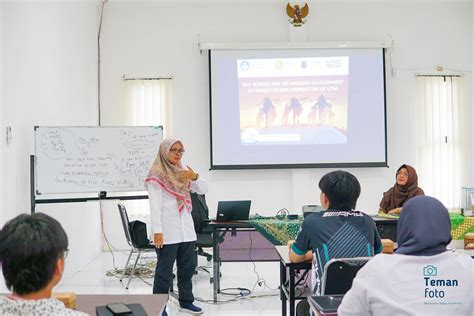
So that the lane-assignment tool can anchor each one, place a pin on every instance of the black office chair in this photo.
(200, 214)
(339, 273)
(138, 250)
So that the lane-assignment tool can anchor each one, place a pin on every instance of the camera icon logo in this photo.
(430, 270)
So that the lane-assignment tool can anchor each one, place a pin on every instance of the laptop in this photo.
(228, 211)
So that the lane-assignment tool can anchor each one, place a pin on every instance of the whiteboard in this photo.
(94, 159)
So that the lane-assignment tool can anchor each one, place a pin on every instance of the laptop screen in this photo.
(228, 211)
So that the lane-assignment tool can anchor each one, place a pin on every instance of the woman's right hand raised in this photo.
(158, 240)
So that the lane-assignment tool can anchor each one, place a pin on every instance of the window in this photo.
(146, 103)
(442, 149)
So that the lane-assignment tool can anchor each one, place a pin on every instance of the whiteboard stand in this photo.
(102, 195)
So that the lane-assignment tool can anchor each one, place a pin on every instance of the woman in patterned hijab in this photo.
(169, 186)
(168, 173)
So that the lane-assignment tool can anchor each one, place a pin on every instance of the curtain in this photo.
(442, 137)
(145, 103)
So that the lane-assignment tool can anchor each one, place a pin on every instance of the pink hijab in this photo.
(165, 175)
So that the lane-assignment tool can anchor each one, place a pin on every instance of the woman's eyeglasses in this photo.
(402, 174)
(177, 151)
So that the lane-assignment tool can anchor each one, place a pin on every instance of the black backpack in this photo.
(138, 234)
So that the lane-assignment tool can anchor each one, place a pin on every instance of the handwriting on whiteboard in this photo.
(116, 159)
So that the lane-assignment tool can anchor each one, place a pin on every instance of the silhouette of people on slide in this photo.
(267, 112)
(296, 108)
(323, 108)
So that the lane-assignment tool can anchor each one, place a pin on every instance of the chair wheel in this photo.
(209, 259)
(211, 280)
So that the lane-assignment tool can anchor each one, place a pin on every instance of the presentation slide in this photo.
(293, 100)
(294, 108)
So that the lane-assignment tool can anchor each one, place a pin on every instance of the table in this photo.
(237, 242)
(152, 303)
(460, 225)
(279, 230)
(288, 280)
(387, 227)
(254, 240)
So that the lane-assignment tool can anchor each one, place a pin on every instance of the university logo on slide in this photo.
(244, 65)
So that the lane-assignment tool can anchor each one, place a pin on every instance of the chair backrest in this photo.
(200, 212)
(339, 273)
(125, 223)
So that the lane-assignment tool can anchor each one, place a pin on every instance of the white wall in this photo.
(49, 78)
(147, 39)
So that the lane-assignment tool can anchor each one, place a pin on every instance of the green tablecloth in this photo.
(461, 225)
(279, 231)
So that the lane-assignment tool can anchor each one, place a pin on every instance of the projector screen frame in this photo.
(233, 46)
(292, 45)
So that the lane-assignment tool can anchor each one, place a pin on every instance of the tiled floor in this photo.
(91, 279)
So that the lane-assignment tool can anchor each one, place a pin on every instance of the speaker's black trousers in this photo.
(186, 262)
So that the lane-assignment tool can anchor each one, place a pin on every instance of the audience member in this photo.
(338, 232)
(32, 252)
(405, 187)
(423, 277)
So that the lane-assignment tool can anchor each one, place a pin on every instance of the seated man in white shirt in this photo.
(32, 251)
(422, 277)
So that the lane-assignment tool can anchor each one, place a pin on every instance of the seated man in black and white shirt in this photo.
(338, 232)
(32, 251)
